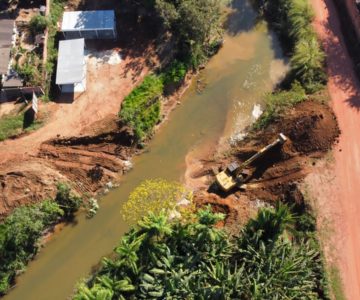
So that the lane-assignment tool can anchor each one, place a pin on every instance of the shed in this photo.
(97, 24)
(6, 33)
(71, 66)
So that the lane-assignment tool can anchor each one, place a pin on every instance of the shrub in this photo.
(141, 108)
(153, 196)
(38, 24)
(175, 73)
(307, 64)
(293, 20)
(19, 235)
(66, 200)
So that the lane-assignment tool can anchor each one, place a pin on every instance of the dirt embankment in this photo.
(312, 130)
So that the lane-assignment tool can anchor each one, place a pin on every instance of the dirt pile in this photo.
(311, 128)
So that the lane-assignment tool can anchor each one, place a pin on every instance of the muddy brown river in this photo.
(234, 82)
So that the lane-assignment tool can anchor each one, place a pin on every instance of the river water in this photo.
(248, 65)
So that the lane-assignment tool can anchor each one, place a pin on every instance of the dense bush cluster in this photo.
(20, 232)
(141, 108)
(293, 20)
(196, 25)
(38, 24)
(194, 259)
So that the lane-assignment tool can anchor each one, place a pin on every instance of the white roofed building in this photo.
(97, 24)
(71, 66)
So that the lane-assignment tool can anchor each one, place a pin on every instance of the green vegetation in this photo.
(19, 236)
(276, 103)
(196, 28)
(56, 11)
(293, 20)
(336, 283)
(67, 201)
(175, 73)
(141, 108)
(196, 25)
(20, 232)
(38, 24)
(12, 125)
(193, 259)
(153, 196)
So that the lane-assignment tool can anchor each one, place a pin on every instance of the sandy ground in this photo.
(107, 85)
(338, 195)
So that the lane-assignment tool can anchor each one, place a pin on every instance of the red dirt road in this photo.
(342, 203)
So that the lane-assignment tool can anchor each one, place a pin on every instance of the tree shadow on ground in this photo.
(136, 35)
(339, 68)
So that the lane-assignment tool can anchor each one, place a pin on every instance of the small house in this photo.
(98, 24)
(71, 66)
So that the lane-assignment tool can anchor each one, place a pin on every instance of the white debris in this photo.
(127, 165)
(237, 137)
(257, 111)
(174, 214)
(183, 202)
(111, 57)
(109, 185)
(93, 207)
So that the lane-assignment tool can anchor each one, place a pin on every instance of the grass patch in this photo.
(276, 103)
(336, 284)
(11, 125)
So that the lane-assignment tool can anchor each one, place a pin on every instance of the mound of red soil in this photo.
(311, 126)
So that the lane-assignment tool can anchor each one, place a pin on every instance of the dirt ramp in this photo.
(90, 161)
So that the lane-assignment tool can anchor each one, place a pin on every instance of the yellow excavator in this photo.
(238, 175)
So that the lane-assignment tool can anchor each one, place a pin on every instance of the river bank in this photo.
(199, 120)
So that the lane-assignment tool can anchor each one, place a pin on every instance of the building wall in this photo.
(90, 34)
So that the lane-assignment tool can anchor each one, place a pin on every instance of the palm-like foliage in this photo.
(270, 223)
(300, 15)
(194, 260)
(307, 61)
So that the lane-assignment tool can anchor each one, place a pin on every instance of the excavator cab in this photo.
(237, 175)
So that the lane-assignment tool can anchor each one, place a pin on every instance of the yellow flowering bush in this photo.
(153, 196)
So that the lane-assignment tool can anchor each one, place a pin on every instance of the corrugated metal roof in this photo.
(71, 62)
(6, 32)
(87, 20)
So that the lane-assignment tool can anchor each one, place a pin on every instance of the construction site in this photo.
(79, 137)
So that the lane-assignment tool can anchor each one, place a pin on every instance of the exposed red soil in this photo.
(82, 134)
(337, 193)
(312, 130)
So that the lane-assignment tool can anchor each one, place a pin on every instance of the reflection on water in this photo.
(246, 67)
